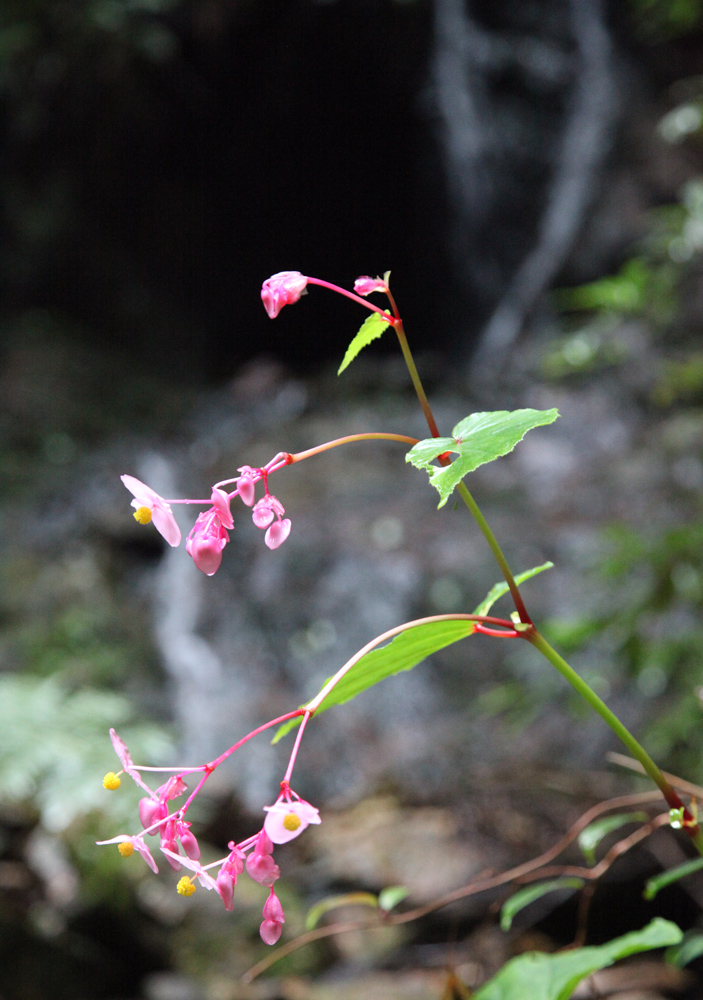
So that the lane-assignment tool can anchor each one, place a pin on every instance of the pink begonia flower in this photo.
(246, 485)
(137, 843)
(155, 808)
(126, 761)
(206, 881)
(274, 918)
(152, 811)
(206, 541)
(160, 512)
(221, 502)
(366, 285)
(227, 876)
(282, 289)
(263, 514)
(287, 820)
(260, 864)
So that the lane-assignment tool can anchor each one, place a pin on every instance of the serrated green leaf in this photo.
(404, 652)
(389, 897)
(334, 902)
(530, 894)
(555, 977)
(371, 329)
(479, 438)
(659, 882)
(591, 836)
(502, 588)
(687, 951)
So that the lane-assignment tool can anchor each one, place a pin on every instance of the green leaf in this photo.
(530, 894)
(591, 836)
(479, 438)
(555, 977)
(689, 949)
(502, 588)
(389, 897)
(404, 652)
(659, 882)
(333, 902)
(371, 329)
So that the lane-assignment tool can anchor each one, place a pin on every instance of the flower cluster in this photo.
(285, 819)
(210, 533)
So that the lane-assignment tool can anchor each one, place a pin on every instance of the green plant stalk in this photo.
(462, 489)
(635, 748)
(463, 492)
(415, 378)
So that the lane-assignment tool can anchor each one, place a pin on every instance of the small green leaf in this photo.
(555, 977)
(479, 438)
(530, 894)
(371, 329)
(333, 902)
(389, 897)
(659, 882)
(591, 836)
(502, 588)
(404, 652)
(687, 951)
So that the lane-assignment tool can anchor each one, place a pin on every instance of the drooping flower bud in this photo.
(274, 918)
(282, 289)
(277, 533)
(206, 541)
(366, 285)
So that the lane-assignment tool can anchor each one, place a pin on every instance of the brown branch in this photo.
(484, 883)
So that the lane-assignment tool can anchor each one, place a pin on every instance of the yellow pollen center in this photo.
(111, 781)
(126, 849)
(185, 887)
(291, 821)
(143, 515)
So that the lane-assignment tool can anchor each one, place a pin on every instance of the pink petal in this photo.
(273, 909)
(366, 285)
(221, 502)
(270, 931)
(282, 289)
(225, 887)
(262, 515)
(262, 869)
(277, 533)
(246, 489)
(165, 523)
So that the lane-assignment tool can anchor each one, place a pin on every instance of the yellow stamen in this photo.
(126, 849)
(143, 515)
(291, 821)
(111, 781)
(185, 887)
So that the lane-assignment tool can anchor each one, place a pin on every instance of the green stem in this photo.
(463, 491)
(417, 384)
(497, 552)
(635, 748)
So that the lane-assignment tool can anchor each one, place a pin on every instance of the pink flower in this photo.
(227, 876)
(282, 289)
(207, 539)
(287, 820)
(260, 864)
(137, 843)
(274, 918)
(246, 485)
(263, 514)
(122, 752)
(207, 881)
(150, 506)
(366, 285)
